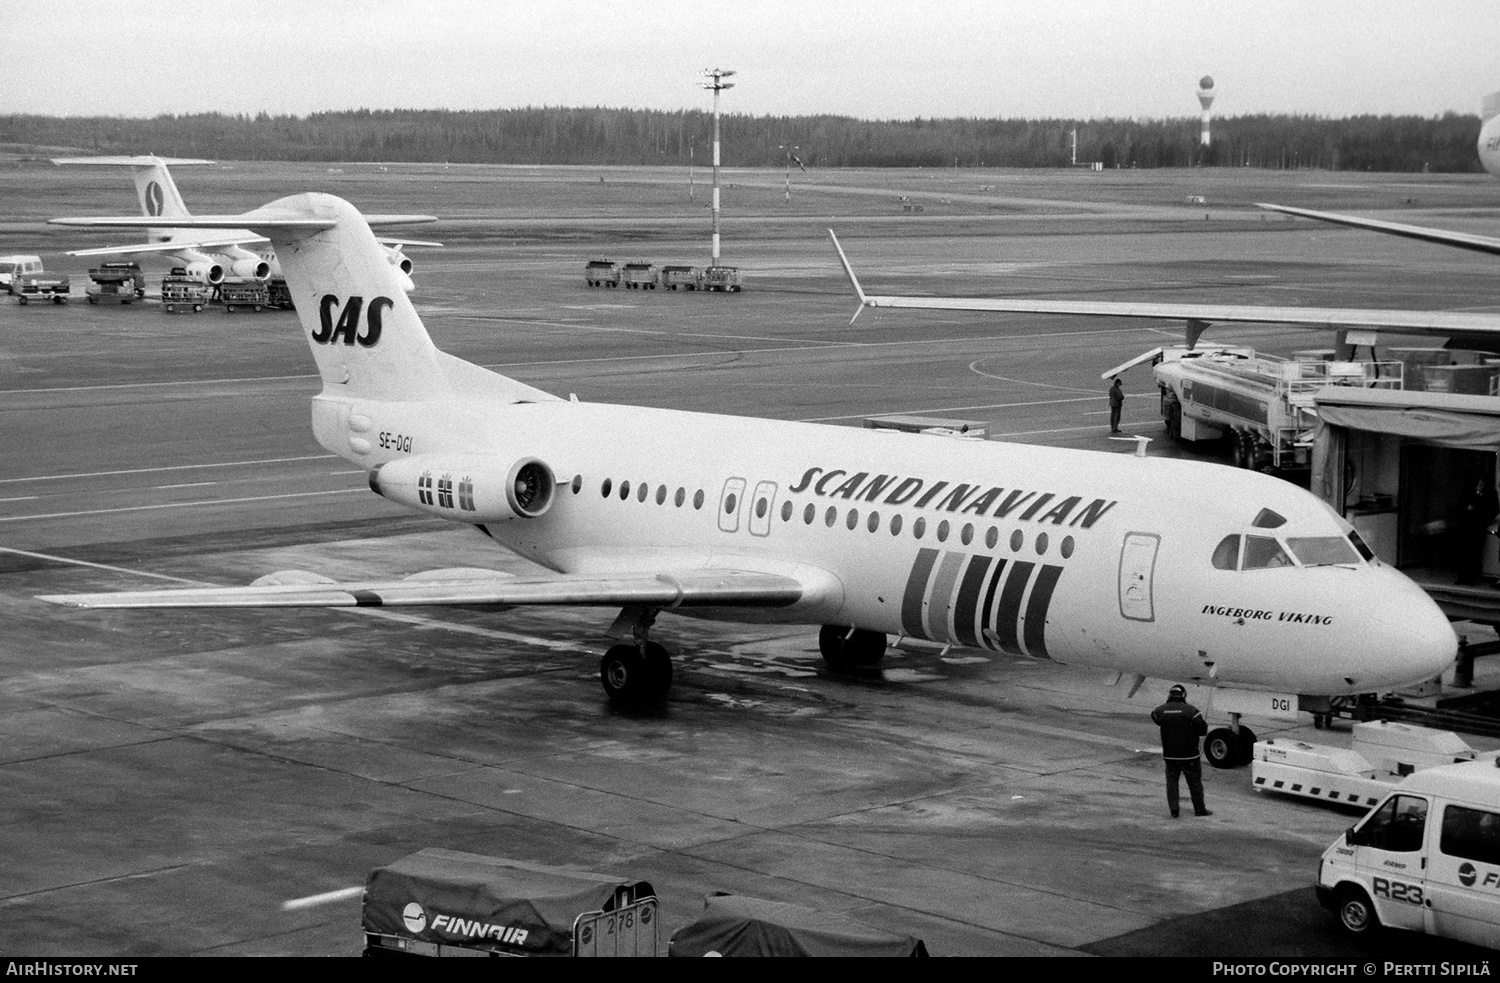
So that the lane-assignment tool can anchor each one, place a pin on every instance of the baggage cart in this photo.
(445, 903)
(601, 273)
(280, 296)
(184, 294)
(722, 278)
(641, 276)
(681, 277)
(42, 287)
(244, 293)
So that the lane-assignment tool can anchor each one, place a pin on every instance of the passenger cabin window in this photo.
(1227, 553)
(1396, 826)
(1323, 551)
(1472, 834)
(1263, 552)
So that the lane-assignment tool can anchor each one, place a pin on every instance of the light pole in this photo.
(718, 84)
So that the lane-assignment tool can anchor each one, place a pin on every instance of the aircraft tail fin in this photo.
(1489, 107)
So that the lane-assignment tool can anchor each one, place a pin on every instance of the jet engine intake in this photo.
(476, 489)
(399, 259)
(251, 269)
(207, 272)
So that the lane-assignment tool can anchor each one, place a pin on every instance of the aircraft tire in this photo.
(1355, 912)
(1246, 738)
(1221, 748)
(844, 649)
(627, 682)
(658, 668)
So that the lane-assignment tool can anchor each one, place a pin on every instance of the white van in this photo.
(1425, 859)
(12, 267)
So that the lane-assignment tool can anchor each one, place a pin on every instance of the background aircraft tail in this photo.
(154, 188)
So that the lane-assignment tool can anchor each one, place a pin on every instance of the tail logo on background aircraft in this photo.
(154, 199)
(348, 328)
(980, 601)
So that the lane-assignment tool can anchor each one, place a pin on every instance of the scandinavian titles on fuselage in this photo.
(960, 497)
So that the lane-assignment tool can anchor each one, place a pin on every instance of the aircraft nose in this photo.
(1414, 639)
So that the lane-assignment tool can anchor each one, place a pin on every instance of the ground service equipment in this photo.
(685, 277)
(445, 903)
(722, 278)
(41, 287)
(280, 296)
(601, 273)
(116, 283)
(738, 926)
(236, 294)
(13, 267)
(1262, 402)
(641, 276)
(1382, 753)
(182, 294)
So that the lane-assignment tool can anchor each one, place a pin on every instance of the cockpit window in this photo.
(1227, 553)
(1262, 552)
(1359, 544)
(1322, 551)
(1266, 519)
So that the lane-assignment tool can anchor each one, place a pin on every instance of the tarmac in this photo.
(173, 778)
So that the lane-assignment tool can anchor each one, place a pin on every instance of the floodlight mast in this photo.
(717, 85)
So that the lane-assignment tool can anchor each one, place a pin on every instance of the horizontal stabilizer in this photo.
(137, 161)
(695, 588)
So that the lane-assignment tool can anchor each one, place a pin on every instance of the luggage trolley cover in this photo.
(740, 926)
(450, 898)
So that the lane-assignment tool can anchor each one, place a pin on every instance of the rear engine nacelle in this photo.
(207, 272)
(473, 489)
(251, 269)
(399, 259)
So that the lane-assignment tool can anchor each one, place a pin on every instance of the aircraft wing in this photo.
(693, 588)
(1461, 240)
(260, 218)
(1199, 317)
(175, 245)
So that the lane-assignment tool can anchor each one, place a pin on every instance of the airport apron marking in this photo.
(979, 600)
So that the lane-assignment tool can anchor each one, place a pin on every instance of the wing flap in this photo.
(695, 588)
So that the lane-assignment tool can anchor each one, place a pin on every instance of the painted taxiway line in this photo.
(169, 467)
(206, 503)
(99, 566)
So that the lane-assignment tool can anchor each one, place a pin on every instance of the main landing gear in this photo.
(636, 673)
(846, 648)
(1229, 747)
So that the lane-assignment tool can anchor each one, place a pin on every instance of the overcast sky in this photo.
(878, 59)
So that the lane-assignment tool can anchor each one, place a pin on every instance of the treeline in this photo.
(558, 135)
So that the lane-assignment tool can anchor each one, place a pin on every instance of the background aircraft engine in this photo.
(400, 260)
(207, 272)
(250, 269)
(467, 489)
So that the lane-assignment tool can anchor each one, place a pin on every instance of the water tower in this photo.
(1205, 99)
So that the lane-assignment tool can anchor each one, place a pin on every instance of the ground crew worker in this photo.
(1181, 725)
(1116, 403)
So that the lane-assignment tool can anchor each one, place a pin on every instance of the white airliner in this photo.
(210, 256)
(1085, 558)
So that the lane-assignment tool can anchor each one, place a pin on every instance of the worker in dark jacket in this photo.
(1181, 725)
(1116, 404)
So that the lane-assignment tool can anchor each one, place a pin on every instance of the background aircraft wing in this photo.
(693, 588)
(409, 242)
(1461, 240)
(1199, 317)
(201, 242)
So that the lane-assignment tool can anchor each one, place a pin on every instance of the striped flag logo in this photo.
(979, 601)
